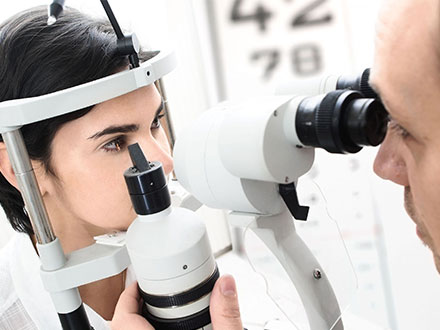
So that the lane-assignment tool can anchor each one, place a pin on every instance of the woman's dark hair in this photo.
(37, 59)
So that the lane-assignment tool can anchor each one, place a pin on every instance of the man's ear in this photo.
(6, 166)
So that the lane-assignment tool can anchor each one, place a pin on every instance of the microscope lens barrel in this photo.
(341, 122)
(169, 250)
(329, 83)
(366, 122)
(175, 268)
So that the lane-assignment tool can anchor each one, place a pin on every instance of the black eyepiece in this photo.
(367, 122)
(146, 183)
(341, 122)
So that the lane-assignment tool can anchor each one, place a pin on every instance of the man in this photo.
(406, 74)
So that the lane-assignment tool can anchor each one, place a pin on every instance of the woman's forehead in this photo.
(144, 96)
(133, 108)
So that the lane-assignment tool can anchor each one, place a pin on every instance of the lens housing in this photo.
(341, 122)
(196, 319)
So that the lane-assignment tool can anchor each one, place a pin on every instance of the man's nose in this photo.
(389, 164)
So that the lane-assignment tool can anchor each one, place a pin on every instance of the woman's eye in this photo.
(156, 122)
(114, 145)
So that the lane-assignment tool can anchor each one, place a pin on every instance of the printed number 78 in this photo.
(306, 60)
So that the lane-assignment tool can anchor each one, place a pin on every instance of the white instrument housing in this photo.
(235, 155)
(311, 86)
(173, 254)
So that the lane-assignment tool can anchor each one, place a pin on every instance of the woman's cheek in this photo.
(103, 201)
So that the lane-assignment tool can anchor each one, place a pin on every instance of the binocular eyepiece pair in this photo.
(349, 116)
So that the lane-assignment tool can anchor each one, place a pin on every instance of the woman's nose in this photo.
(389, 164)
(167, 163)
(156, 152)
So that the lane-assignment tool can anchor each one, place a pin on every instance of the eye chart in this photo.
(261, 42)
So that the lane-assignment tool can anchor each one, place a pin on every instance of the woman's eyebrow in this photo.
(123, 128)
(115, 129)
(158, 111)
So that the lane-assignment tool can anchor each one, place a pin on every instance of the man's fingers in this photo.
(126, 315)
(224, 308)
(129, 299)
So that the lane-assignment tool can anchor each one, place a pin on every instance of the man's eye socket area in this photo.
(397, 128)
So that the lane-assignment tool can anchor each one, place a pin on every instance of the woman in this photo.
(79, 159)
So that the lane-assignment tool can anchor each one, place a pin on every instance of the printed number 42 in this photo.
(261, 15)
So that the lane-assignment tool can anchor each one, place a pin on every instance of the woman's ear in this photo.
(8, 172)
(6, 166)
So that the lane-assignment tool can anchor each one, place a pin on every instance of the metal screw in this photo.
(185, 267)
(317, 274)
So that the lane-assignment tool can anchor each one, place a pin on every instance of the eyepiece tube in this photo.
(341, 122)
(366, 122)
(326, 84)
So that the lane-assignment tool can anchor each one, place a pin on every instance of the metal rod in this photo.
(133, 58)
(28, 185)
(112, 19)
(170, 127)
(216, 50)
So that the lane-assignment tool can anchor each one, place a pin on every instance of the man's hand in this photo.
(126, 315)
(224, 309)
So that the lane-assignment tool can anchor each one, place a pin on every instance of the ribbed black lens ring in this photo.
(183, 298)
(324, 119)
(330, 121)
(192, 322)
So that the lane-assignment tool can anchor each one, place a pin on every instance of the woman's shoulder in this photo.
(9, 255)
(12, 310)
(9, 250)
(8, 295)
